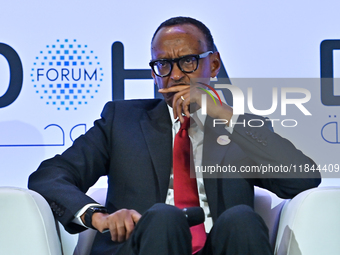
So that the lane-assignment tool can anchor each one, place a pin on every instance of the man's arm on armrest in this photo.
(64, 179)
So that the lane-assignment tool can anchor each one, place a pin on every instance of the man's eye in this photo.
(162, 64)
(188, 60)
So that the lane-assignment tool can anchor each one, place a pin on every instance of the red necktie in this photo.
(185, 188)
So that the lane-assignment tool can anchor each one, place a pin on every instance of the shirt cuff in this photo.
(77, 216)
(233, 119)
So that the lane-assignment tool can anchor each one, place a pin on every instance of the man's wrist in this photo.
(87, 217)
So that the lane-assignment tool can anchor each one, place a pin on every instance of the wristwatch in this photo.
(89, 212)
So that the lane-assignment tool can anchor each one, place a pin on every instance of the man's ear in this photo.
(215, 62)
(153, 75)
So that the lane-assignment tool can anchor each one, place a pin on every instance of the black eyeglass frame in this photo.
(176, 60)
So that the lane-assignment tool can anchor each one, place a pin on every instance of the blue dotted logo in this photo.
(66, 75)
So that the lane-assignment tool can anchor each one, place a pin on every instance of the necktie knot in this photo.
(186, 124)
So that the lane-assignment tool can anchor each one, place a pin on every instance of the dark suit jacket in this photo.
(132, 145)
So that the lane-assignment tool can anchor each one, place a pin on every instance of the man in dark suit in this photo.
(132, 145)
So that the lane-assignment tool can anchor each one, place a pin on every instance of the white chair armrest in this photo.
(27, 224)
(310, 223)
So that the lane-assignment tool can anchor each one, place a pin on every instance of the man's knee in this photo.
(240, 217)
(239, 230)
(166, 215)
(162, 229)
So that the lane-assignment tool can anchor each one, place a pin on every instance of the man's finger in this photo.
(113, 232)
(177, 107)
(180, 104)
(186, 103)
(176, 88)
(121, 232)
(135, 216)
(129, 226)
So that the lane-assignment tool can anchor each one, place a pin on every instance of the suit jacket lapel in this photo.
(156, 126)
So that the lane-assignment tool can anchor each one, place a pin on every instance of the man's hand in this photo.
(190, 95)
(120, 223)
(179, 105)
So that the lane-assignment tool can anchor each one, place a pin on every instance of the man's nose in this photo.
(176, 73)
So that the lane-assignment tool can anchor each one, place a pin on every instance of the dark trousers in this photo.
(163, 230)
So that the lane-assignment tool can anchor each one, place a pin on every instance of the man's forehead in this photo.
(178, 32)
(184, 28)
(179, 29)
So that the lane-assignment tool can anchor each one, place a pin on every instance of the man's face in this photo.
(177, 41)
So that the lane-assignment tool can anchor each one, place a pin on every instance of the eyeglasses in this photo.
(187, 64)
